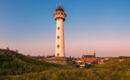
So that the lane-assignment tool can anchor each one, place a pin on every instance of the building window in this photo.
(58, 46)
(58, 37)
(58, 28)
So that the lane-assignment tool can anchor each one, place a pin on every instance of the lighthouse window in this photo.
(58, 46)
(58, 54)
(58, 28)
(58, 37)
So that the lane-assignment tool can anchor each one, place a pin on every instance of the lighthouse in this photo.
(59, 57)
(59, 16)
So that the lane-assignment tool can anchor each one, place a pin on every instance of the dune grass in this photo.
(14, 66)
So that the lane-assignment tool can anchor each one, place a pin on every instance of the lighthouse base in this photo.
(58, 60)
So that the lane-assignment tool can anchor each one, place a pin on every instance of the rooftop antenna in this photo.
(60, 4)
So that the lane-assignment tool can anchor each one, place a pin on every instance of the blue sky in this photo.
(91, 25)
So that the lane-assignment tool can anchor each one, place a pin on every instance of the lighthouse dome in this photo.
(59, 8)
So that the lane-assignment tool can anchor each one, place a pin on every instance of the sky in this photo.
(102, 26)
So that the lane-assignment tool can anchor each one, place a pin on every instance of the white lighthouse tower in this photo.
(60, 18)
(59, 57)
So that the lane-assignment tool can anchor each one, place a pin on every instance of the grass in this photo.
(14, 66)
(13, 63)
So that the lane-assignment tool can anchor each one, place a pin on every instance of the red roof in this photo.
(87, 60)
